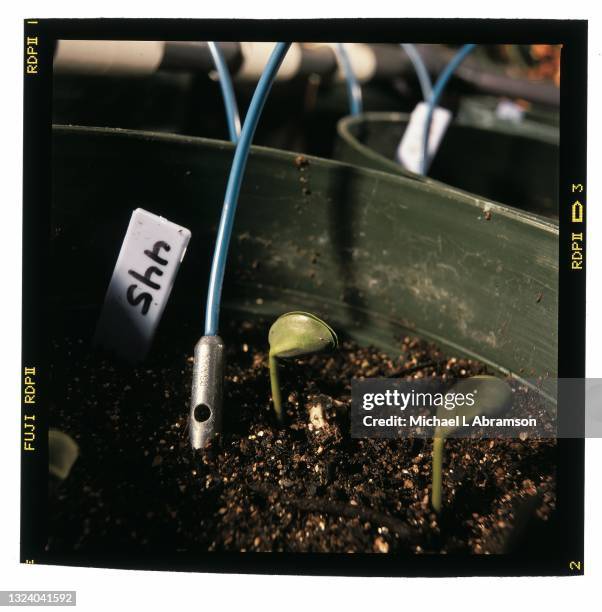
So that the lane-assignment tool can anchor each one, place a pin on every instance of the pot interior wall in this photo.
(376, 255)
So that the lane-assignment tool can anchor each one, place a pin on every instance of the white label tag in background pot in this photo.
(509, 111)
(409, 151)
(142, 280)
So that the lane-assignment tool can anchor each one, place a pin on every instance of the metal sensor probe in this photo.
(208, 374)
(207, 391)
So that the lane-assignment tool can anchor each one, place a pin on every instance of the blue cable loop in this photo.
(241, 154)
(435, 97)
(420, 68)
(225, 82)
(354, 90)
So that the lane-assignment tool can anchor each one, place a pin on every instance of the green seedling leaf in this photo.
(493, 396)
(296, 334)
(62, 453)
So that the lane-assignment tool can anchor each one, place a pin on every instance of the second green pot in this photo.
(504, 163)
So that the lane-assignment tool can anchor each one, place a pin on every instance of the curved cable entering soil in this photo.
(325, 506)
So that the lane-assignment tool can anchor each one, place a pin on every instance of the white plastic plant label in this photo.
(142, 280)
(409, 151)
(509, 111)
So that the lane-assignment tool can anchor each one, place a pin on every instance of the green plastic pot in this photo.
(536, 120)
(500, 161)
(376, 255)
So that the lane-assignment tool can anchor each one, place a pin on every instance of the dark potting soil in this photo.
(306, 486)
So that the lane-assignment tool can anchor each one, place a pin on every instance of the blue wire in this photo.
(354, 91)
(225, 82)
(220, 255)
(435, 97)
(421, 72)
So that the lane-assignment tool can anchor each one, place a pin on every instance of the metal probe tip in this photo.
(205, 417)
